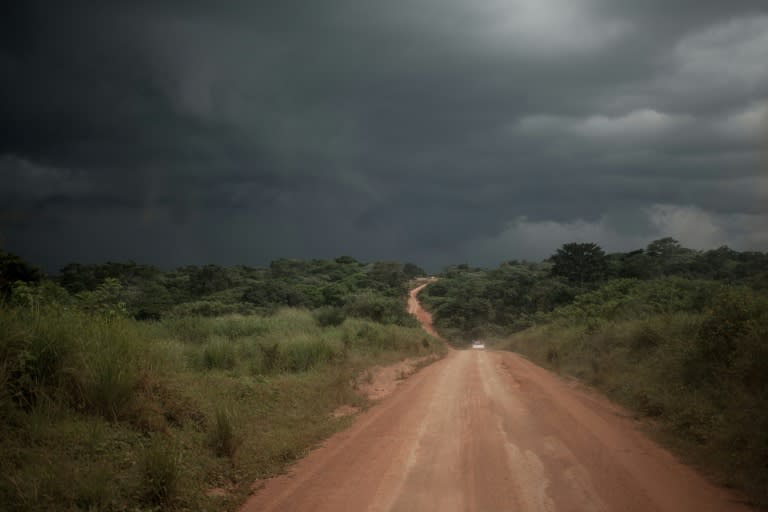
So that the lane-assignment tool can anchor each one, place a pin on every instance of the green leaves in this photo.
(13, 269)
(106, 299)
(580, 263)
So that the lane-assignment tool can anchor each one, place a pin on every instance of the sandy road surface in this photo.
(490, 431)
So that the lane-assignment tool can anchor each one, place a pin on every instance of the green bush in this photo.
(381, 309)
(329, 316)
(732, 316)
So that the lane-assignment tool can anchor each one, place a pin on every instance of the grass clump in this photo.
(160, 469)
(223, 436)
(298, 356)
(219, 353)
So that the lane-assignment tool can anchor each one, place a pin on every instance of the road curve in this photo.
(490, 431)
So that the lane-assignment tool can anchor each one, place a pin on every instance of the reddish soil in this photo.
(381, 381)
(490, 431)
(421, 314)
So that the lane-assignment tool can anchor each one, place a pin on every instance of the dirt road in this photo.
(490, 431)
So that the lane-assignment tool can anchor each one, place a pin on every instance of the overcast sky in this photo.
(436, 131)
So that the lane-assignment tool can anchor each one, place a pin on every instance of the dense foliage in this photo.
(580, 263)
(374, 290)
(468, 302)
(13, 269)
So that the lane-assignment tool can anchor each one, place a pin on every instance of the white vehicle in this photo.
(478, 344)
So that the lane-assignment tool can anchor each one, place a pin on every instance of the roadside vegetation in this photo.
(676, 335)
(102, 411)
(373, 290)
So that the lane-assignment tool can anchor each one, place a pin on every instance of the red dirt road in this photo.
(490, 431)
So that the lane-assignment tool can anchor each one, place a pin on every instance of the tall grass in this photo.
(290, 341)
(101, 412)
(88, 361)
(160, 469)
(223, 437)
(702, 376)
(219, 353)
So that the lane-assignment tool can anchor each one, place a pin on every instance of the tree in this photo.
(106, 299)
(412, 270)
(381, 309)
(579, 263)
(287, 268)
(12, 269)
(663, 248)
(273, 293)
(634, 264)
(208, 279)
(668, 257)
(347, 260)
(390, 274)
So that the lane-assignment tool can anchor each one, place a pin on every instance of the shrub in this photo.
(730, 318)
(329, 316)
(381, 309)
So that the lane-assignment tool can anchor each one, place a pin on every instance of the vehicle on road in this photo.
(477, 344)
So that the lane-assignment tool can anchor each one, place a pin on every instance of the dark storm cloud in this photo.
(433, 130)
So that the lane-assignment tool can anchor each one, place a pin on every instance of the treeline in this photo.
(336, 287)
(469, 302)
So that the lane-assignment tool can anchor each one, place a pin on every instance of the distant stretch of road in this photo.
(490, 431)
